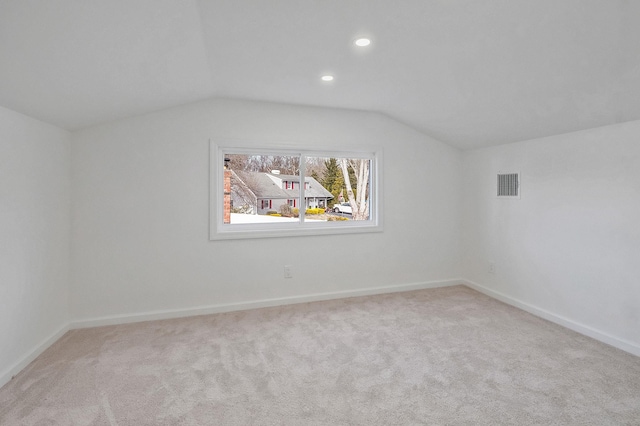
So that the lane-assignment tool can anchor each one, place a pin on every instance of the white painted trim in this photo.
(31, 355)
(256, 304)
(601, 336)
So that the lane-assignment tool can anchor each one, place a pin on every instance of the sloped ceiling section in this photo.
(75, 63)
(470, 73)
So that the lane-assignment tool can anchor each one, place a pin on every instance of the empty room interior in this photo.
(488, 273)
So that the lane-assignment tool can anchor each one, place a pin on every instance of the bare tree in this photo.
(316, 168)
(238, 161)
(358, 201)
(288, 165)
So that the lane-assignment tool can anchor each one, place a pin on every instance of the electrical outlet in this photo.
(492, 268)
(287, 271)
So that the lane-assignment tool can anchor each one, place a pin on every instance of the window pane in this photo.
(332, 196)
(260, 188)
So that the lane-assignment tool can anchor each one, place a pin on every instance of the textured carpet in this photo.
(448, 356)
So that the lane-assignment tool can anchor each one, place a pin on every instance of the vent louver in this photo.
(508, 185)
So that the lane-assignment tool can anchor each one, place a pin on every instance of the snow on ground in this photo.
(237, 218)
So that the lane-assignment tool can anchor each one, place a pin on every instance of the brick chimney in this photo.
(227, 192)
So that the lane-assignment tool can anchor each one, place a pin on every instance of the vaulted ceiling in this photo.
(471, 73)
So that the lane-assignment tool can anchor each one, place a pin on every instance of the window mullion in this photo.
(301, 204)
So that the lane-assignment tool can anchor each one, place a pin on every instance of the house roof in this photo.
(264, 186)
(315, 188)
(241, 194)
(290, 178)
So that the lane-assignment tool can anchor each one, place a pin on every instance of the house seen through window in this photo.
(273, 190)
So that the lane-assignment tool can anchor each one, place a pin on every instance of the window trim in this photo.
(220, 231)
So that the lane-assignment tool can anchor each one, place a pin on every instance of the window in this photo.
(274, 192)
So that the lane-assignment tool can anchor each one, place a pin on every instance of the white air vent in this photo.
(509, 185)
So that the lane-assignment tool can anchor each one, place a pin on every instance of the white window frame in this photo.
(221, 231)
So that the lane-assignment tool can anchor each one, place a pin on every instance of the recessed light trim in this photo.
(362, 42)
(326, 78)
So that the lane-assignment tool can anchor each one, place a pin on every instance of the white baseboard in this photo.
(8, 374)
(601, 336)
(255, 304)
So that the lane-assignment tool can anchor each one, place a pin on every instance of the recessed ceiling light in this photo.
(327, 78)
(362, 42)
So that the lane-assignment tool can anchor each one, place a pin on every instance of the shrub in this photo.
(336, 218)
(285, 210)
(314, 210)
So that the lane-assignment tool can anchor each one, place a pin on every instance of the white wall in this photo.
(34, 238)
(570, 247)
(141, 211)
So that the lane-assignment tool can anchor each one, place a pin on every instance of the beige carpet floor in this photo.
(448, 356)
